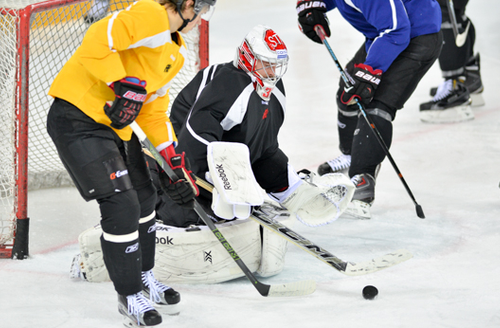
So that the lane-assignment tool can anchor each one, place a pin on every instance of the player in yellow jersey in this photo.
(121, 73)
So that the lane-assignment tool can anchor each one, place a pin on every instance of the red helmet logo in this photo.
(273, 41)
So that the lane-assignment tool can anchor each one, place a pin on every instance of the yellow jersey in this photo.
(134, 42)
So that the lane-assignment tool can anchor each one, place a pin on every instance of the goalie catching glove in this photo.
(130, 94)
(312, 13)
(316, 200)
(184, 190)
(365, 81)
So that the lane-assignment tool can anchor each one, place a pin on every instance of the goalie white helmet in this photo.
(264, 56)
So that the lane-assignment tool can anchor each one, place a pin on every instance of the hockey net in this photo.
(36, 38)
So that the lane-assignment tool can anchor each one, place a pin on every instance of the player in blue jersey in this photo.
(402, 41)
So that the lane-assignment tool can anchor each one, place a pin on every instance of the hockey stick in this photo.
(321, 33)
(298, 288)
(266, 218)
(460, 38)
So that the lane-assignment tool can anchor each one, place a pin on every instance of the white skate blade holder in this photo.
(232, 175)
(450, 115)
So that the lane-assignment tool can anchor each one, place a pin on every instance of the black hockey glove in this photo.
(312, 13)
(364, 82)
(130, 94)
(184, 190)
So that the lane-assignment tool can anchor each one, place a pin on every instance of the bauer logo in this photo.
(132, 248)
(118, 174)
(134, 96)
(223, 177)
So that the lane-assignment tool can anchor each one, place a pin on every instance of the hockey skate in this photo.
(137, 311)
(450, 104)
(159, 294)
(337, 165)
(364, 195)
(472, 81)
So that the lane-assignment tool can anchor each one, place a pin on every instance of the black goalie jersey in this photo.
(220, 104)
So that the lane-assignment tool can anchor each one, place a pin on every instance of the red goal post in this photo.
(36, 38)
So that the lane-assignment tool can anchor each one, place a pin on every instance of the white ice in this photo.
(452, 170)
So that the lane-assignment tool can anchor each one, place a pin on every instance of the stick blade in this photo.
(378, 263)
(298, 288)
(420, 211)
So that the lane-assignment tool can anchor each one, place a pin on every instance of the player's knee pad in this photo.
(120, 213)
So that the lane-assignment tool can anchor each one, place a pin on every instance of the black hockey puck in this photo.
(369, 292)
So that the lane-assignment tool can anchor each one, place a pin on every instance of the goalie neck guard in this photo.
(264, 56)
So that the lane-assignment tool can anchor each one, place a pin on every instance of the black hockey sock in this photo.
(147, 236)
(123, 261)
(346, 126)
(366, 151)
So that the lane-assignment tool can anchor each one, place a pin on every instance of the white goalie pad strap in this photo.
(274, 247)
(319, 200)
(231, 173)
(91, 261)
(195, 256)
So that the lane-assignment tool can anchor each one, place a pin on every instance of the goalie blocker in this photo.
(192, 255)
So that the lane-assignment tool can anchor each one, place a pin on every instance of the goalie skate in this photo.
(358, 210)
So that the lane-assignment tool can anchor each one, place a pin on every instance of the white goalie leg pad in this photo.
(317, 200)
(274, 247)
(91, 262)
(195, 256)
(232, 175)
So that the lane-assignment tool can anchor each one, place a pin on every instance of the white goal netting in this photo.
(45, 34)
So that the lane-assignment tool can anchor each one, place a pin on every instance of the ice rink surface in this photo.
(452, 169)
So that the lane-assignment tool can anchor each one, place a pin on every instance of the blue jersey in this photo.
(388, 25)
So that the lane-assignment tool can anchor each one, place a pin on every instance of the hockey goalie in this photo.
(227, 121)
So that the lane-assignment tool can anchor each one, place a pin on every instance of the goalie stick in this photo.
(321, 33)
(298, 288)
(268, 221)
(265, 216)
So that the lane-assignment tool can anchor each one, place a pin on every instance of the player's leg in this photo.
(93, 155)
(397, 85)
(141, 180)
(462, 85)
